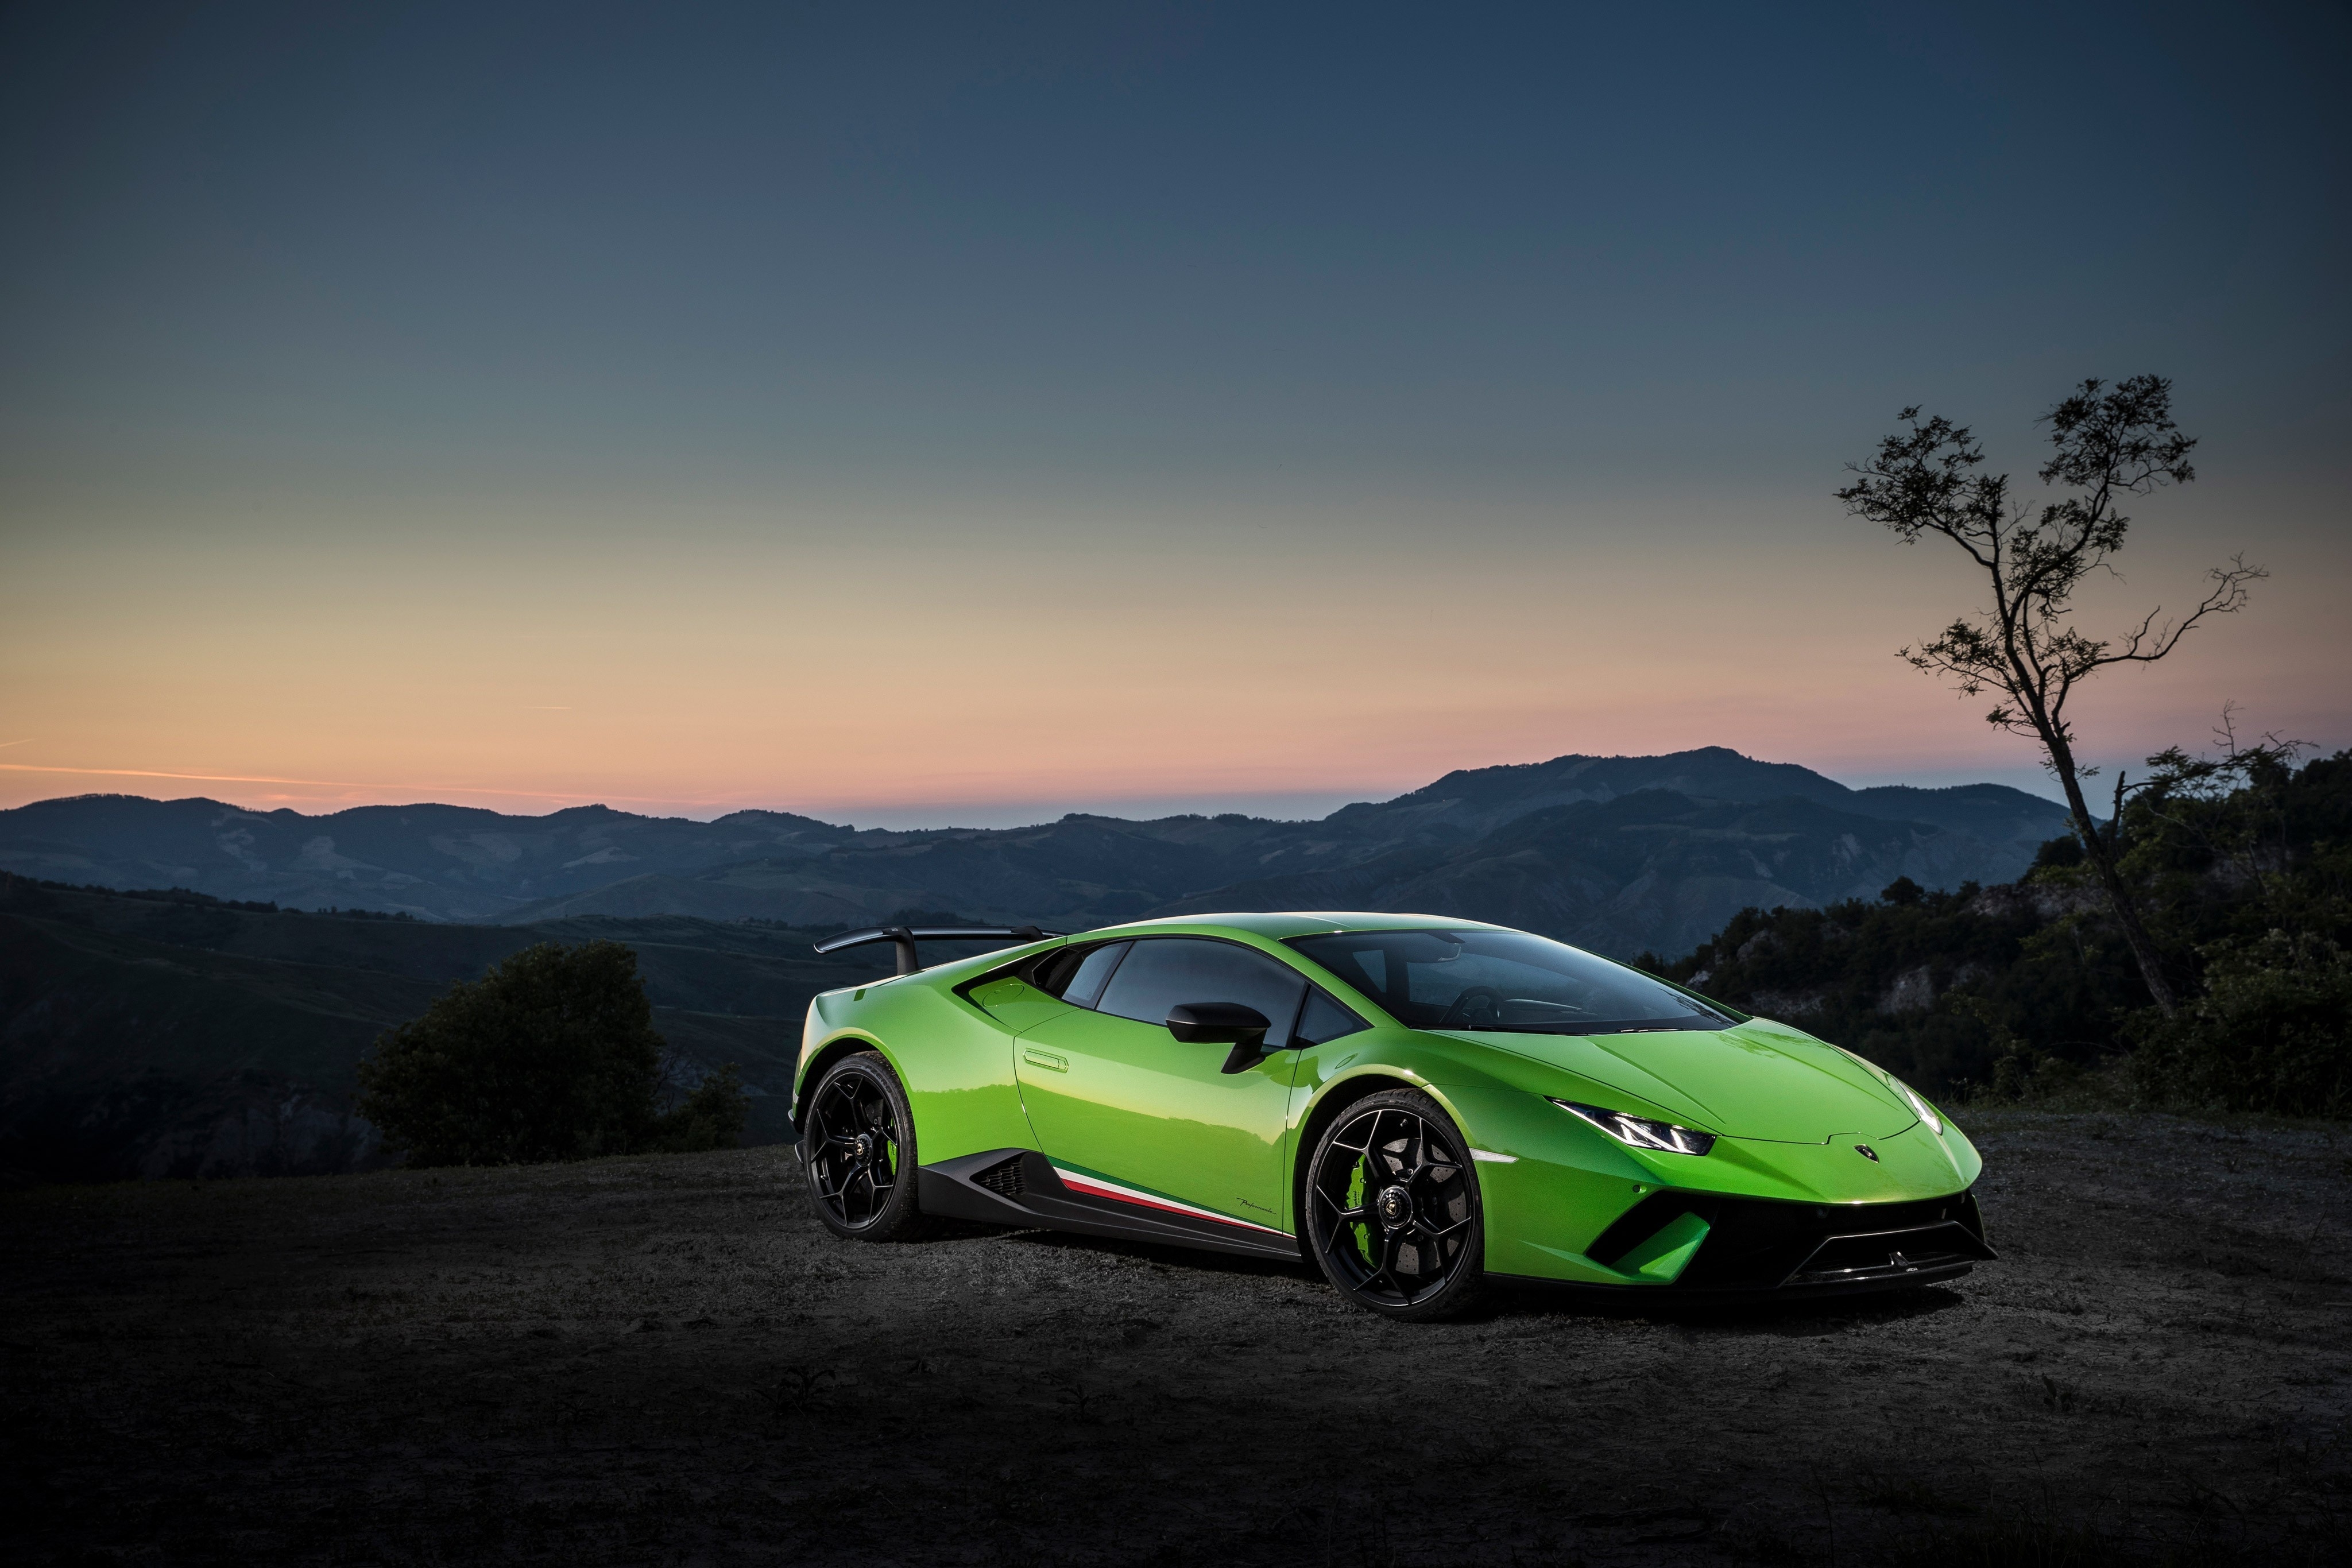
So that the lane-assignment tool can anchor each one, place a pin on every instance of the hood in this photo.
(1759, 1080)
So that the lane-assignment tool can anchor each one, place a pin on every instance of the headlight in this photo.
(1640, 1132)
(1926, 1112)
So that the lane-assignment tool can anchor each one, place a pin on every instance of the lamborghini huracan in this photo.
(1419, 1104)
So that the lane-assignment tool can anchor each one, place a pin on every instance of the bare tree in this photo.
(2111, 442)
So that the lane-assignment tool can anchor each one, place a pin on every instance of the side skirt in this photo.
(1021, 1187)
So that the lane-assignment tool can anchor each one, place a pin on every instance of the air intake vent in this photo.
(1758, 1243)
(1002, 1179)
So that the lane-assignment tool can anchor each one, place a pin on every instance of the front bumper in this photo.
(1743, 1244)
(1864, 1210)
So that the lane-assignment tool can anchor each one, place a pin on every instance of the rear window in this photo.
(1076, 975)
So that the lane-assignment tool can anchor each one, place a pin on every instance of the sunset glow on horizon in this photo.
(657, 683)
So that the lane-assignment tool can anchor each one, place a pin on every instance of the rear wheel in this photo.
(860, 1154)
(1392, 1211)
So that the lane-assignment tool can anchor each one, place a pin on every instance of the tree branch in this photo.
(2106, 443)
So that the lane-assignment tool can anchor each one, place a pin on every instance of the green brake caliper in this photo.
(1357, 1190)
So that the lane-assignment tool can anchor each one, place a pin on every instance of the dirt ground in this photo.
(667, 1360)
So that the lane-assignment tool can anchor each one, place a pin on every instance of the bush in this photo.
(713, 1117)
(2060, 852)
(2272, 1032)
(549, 1056)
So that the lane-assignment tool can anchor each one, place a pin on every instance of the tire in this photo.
(859, 1152)
(1394, 1217)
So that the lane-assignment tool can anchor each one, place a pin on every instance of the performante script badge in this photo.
(1867, 1151)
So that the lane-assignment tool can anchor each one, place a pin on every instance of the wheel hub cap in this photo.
(865, 1145)
(1395, 1205)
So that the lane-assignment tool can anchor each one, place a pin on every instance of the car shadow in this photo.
(1799, 1317)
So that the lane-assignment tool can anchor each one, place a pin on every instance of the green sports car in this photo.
(1417, 1104)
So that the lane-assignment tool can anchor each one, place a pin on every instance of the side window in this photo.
(1366, 968)
(1077, 977)
(1165, 972)
(1325, 1020)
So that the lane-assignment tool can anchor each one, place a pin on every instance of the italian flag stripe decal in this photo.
(1095, 1186)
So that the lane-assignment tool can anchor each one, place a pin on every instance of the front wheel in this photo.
(861, 1152)
(1392, 1210)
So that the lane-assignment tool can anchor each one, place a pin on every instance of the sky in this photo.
(923, 414)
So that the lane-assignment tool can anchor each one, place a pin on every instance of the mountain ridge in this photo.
(475, 865)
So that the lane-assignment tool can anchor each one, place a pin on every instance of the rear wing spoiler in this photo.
(905, 937)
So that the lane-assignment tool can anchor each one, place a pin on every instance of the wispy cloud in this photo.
(547, 795)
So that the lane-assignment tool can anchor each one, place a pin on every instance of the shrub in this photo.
(549, 1056)
(2060, 852)
(2272, 1032)
(712, 1118)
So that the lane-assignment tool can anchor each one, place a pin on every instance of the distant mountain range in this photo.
(174, 1036)
(1622, 854)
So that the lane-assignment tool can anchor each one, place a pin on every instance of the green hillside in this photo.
(169, 1035)
(2243, 871)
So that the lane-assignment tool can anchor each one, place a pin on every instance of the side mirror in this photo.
(1216, 1023)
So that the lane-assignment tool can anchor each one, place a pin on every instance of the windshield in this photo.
(1506, 981)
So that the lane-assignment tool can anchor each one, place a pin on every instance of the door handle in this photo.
(1045, 1059)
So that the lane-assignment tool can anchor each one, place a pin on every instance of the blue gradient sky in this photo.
(903, 413)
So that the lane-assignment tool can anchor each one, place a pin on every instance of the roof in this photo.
(1281, 925)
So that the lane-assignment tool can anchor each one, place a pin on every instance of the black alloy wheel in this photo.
(1392, 1211)
(859, 1150)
